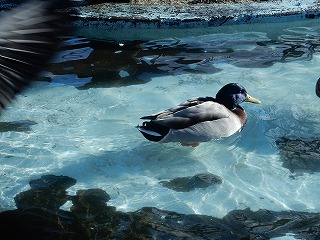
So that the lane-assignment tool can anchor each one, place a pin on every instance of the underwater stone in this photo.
(300, 155)
(99, 219)
(16, 126)
(153, 223)
(47, 192)
(187, 184)
(237, 224)
(91, 218)
(95, 196)
(266, 224)
(40, 224)
(91, 201)
(161, 224)
(52, 182)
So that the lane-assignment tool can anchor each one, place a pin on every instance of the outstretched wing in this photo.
(30, 34)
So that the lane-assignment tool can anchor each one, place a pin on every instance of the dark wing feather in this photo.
(29, 37)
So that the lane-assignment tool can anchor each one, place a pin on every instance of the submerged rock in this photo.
(92, 218)
(187, 184)
(238, 224)
(52, 182)
(300, 155)
(266, 224)
(96, 216)
(40, 224)
(48, 192)
(16, 126)
(90, 202)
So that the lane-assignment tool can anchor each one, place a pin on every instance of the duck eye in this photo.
(242, 91)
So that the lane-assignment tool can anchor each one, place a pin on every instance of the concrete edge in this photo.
(136, 16)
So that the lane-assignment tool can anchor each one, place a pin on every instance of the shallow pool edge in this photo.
(112, 17)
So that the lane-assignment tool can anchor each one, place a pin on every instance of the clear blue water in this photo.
(87, 107)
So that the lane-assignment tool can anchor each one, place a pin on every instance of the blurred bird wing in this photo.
(29, 36)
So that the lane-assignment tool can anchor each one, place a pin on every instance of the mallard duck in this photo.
(30, 35)
(200, 119)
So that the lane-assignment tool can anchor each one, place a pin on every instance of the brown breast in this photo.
(241, 114)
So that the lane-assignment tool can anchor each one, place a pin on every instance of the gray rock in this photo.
(187, 184)
(300, 155)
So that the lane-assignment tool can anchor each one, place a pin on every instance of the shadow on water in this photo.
(38, 216)
(93, 63)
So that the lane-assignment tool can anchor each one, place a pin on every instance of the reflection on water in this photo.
(110, 63)
(104, 63)
(89, 101)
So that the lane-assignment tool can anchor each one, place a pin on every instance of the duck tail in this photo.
(153, 131)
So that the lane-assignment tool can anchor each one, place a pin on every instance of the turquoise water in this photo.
(92, 96)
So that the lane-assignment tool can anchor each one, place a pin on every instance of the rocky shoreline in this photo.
(109, 20)
(96, 18)
(179, 1)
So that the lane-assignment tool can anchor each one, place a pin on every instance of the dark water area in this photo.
(88, 63)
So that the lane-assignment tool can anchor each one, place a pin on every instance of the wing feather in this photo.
(206, 111)
(186, 104)
(30, 34)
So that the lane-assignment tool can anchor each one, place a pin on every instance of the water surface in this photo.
(88, 103)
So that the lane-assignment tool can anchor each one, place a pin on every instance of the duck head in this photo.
(233, 94)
